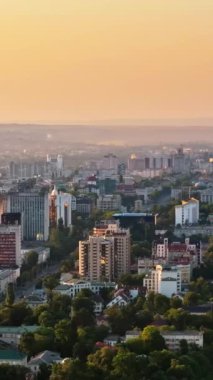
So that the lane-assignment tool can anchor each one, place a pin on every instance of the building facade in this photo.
(10, 246)
(61, 206)
(34, 210)
(187, 212)
(105, 254)
(163, 280)
(173, 338)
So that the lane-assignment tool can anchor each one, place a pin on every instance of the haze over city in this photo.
(106, 61)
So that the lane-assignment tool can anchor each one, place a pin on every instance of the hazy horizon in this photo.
(114, 135)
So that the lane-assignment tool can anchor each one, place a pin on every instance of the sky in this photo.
(67, 61)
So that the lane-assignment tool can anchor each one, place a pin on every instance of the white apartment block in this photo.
(105, 255)
(173, 338)
(187, 212)
(163, 280)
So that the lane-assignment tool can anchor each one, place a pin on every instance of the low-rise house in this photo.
(34, 300)
(112, 340)
(120, 300)
(13, 357)
(132, 334)
(99, 304)
(12, 335)
(173, 338)
(45, 357)
(123, 297)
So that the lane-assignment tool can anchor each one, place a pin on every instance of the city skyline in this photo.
(106, 61)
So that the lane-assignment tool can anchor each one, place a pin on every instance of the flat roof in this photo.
(132, 214)
(186, 332)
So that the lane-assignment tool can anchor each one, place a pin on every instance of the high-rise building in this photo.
(34, 209)
(110, 161)
(10, 246)
(106, 254)
(187, 212)
(61, 206)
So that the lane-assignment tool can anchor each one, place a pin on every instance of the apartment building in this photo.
(187, 212)
(163, 280)
(173, 338)
(105, 254)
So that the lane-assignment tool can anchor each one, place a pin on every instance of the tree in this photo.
(119, 320)
(81, 302)
(65, 336)
(11, 372)
(10, 296)
(162, 359)
(50, 282)
(179, 371)
(44, 372)
(46, 319)
(161, 303)
(27, 344)
(143, 318)
(102, 359)
(191, 299)
(176, 302)
(152, 339)
(31, 259)
(177, 317)
(127, 366)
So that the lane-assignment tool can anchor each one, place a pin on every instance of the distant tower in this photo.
(53, 208)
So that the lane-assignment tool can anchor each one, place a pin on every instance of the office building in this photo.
(105, 254)
(10, 246)
(34, 209)
(61, 206)
(187, 212)
(84, 205)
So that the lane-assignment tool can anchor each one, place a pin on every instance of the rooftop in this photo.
(18, 329)
(186, 332)
(11, 355)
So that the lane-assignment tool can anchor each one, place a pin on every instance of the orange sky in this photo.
(86, 60)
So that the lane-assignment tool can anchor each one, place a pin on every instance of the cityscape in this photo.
(106, 190)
